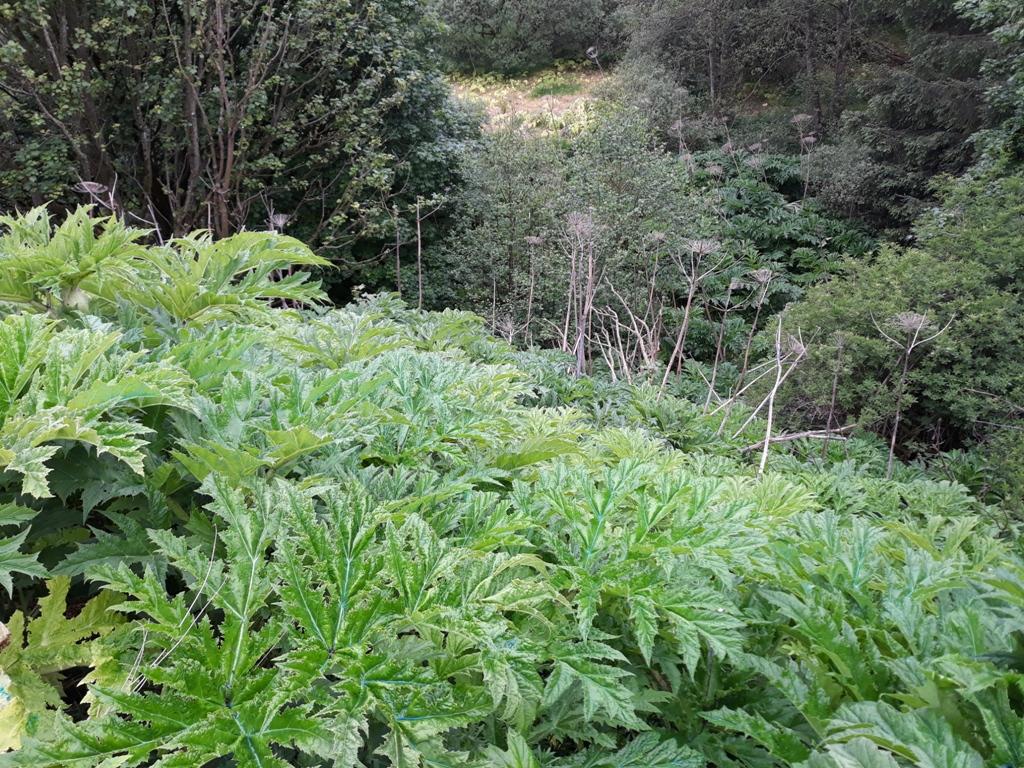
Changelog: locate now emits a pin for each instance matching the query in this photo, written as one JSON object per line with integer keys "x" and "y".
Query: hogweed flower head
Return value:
{"x": 704, "y": 247}
{"x": 910, "y": 322}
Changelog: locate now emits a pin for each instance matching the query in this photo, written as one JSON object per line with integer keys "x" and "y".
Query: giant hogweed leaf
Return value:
{"x": 796, "y": 681}
{"x": 13, "y": 560}
{"x": 647, "y": 750}
{"x": 702, "y": 615}
{"x": 533, "y": 450}
{"x": 577, "y": 667}
{"x": 512, "y": 680}
{"x": 261, "y": 426}
{"x": 860, "y": 753}
{"x": 129, "y": 546}
{"x": 518, "y": 754}
{"x": 78, "y": 390}
{"x": 923, "y": 737}
{"x": 341, "y": 337}
{"x": 68, "y": 264}
{"x": 53, "y": 644}
{"x": 418, "y": 559}
{"x": 781, "y": 742}
{"x": 856, "y": 753}
{"x": 326, "y": 563}
{"x": 214, "y": 696}
{"x": 198, "y": 278}
{"x": 11, "y": 514}
{"x": 1005, "y": 727}
{"x": 24, "y": 340}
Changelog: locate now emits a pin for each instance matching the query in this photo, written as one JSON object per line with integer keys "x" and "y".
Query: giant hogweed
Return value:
{"x": 91, "y": 265}
{"x": 296, "y": 637}
{"x": 42, "y": 650}
{"x": 882, "y": 643}
{"x": 314, "y": 617}
{"x": 65, "y": 386}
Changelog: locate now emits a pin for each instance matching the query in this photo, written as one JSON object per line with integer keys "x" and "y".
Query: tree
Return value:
{"x": 222, "y": 114}
{"x": 1005, "y": 20}
{"x": 513, "y": 35}
{"x": 960, "y": 389}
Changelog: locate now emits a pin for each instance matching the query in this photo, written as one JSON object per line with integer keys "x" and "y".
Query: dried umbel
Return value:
{"x": 714, "y": 170}
{"x": 762, "y": 276}
{"x": 910, "y": 322}
{"x": 658, "y": 237}
{"x": 278, "y": 220}
{"x": 534, "y": 241}
{"x": 808, "y": 140}
{"x": 581, "y": 224}
{"x": 90, "y": 188}
{"x": 704, "y": 247}
{"x": 794, "y": 346}
{"x": 800, "y": 119}
{"x": 754, "y": 162}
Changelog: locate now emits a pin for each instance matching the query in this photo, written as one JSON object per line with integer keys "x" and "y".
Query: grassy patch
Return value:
{"x": 555, "y": 89}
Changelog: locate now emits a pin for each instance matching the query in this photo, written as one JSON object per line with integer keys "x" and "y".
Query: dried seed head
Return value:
{"x": 793, "y": 346}
{"x": 278, "y": 220}
{"x": 728, "y": 148}
{"x": 762, "y": 276}
{"x": 704, "y": 247}
{"x": 658, "y": 236}
{"x": 910, "y": 322}
{"x": 715, "y": 170}
{"x": 808, "y": 140}
{"x": 531, "y": 240}
{"x": 800, "y": 119}
{"x": 90, "y": 188}
{"x": 754, "y": 162}
{"x": 581, "y": 224}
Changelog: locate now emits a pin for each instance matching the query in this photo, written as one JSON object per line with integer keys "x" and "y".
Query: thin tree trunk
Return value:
{"x": 832, "y": 402}
{"x": 419, "y": 255}
{"x": 899, "y": 406}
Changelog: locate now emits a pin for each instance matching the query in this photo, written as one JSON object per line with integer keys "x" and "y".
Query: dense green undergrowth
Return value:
{"x": 241, "y": 533}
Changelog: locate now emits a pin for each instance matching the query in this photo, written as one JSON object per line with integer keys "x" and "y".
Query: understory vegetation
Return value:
{"x": 378, "y": 536}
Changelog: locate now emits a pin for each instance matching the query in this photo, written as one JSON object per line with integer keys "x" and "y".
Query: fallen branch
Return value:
{"x": 817, "y": 434}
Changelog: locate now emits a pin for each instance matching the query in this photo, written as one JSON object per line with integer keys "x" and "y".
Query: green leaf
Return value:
{"x": 13, "y": 560}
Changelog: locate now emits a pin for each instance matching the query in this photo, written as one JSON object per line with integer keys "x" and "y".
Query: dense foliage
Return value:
{"x": 586, "y": 245}
{"x": 701, "y": 472}
{"x": 224, "y": 115}
{"x": 381, "y": 537}
{"x": 965, "y": 271}
{"x": 891, "y": 92}
{"x": 514, "y": 35}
